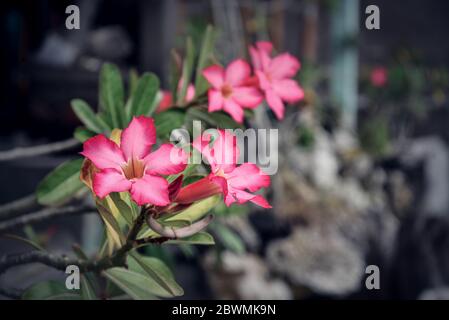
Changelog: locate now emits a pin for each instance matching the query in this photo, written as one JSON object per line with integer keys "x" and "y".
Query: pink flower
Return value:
{"x": 274, "y": 75}
{"x": 229, "y": 90}
{"x": 379, "y": 77}
{"x": 167, "y": 99}
{"x": 226, "y": 177}
{"x": 132, "y": 166}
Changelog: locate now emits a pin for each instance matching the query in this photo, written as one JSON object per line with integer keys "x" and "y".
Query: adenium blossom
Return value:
{"x": 167, "y": 98}
{"x": 132, "y": 166}
{"x": 274, "y": 75}
{"x": 234, "y": 182}
{"x": 230, "y": 91}
{"x": 379, "y": 77}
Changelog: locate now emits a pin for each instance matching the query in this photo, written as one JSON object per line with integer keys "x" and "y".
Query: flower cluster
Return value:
{"x": 235, "y": 88}
{"x": 132, "y": 166}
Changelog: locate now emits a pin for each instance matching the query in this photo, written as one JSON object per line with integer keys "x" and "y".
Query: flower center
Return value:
{"x": 134, "y": 169}
{"x": 226, "y": 90}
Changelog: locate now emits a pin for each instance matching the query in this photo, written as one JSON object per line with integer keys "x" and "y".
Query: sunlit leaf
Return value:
{"x": 196, "y": 211}
{"x": 60, "y": 184}
{"x": 229, "y": 238}
{"x": 113, "y": 231}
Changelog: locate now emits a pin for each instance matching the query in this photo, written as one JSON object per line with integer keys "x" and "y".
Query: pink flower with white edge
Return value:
{"x": 229, "y": 90}
{"x": 379, "y": 77}
{"x": 132, "y": 166}
{"x": 234, "y": 182}
{"x": 274, "y": 75}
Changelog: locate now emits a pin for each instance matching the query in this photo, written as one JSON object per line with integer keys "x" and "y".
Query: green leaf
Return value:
{"x": 175, "y": 73}
{"x": 212, "y": 119}
{"x": 113, "y": 231}
{"x": 187, "y": 69}
{"x": 112, "y": 94}
{"x": 49, "y": 290}
{"x": 144, "y": 96}
{"x": 60, "y": 184}
{"x": 87, "y": 116}
{"x": 82, "y": 134}
{"x": 124, "y": 209}
{"x": 196, "y": 211}
{"x": 229, "y": 238}
{"x": 29, "y": 242}
{"x": 167, "y": 121}
{"x": 207, "y": 47}
{"x": 200, "y": 238}
{"x": 135, "y": 284}
{"x": 133, "y": 80}
{"x": 87, "y": 291}
{"x": 157, "y": 270}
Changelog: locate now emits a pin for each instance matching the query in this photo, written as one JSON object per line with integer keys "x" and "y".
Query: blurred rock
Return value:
{"x": 243, "y": 277}
{"x": 319, "y": 259}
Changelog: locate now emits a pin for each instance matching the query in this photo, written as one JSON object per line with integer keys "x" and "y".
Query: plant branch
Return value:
{"x": 26, "y": 152}
{"x": 16, "y": 207}
{"x": 42, "y": 215}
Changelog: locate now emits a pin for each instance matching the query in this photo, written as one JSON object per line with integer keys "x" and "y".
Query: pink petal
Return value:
{"x": 225, "y": 151}
{"x": 166, "y": 160}
{"x": 275, "y": 103}
{"x": 215, "y": 75}
{"x": 215, "y": 100}
{"x": 284, "y": 66}
{"x": 190, "y": 93}
{"x": 265, "y": 46}
{"x": 243, "y": 196}
{"x": 288, "y": 90}
{"x": 138, "y": 138}
{"x": 166, "y": 101}
{"x": 255, "y": 58}
{"x": 237, "y": 72}
{"x": 201, "y": 143}
{"x": 247, "y": 96}
{"x": 248, "y": 176}
{"x": 220, "y": 181}
{"x": 234, "y": 110}
{"x": 110, "y": 180}
{"x": 103, "y": 152}
{"x": 264, "y": 83}
{"x": 150, "y": 190}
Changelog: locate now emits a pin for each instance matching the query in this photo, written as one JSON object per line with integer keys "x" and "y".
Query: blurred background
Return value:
{"x": 363, "y": 173}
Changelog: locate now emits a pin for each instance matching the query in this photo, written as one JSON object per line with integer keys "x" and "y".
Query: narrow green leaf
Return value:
{"x": 175, "y": 73}
{"x": 29, "y": 242}
{"x": 82, "y": 134}
{"x": 167, "y": 121}
{"x": 123, "y": 208}
{"x": 204, "y": 60}
{"x": 229, "y": 238}
{"x": 144, "y": 95}
{"x": 49, "y": 290}
{"x": 157, "y": 270}
{"x": 112, "y": 94}
{"x": 60, "y": 184}
{"x": 87, "y": 116}
{"x": 196, "y": 211}
{"x": 200, "y": 238}
{"x": 187, "y": 69}
{"x": 87, "y": 291}
{"x": 135, "y": 284}
{"x": 113, "y": 231}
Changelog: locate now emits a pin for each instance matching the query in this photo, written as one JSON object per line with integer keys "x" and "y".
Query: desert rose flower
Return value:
{"x": 132, "y": 166}
{"x": 274, "y": 75}
{"x": 229, "y": 90}
{"x": 167, "y": 98}
{"x": 379, "y": 77}
{"x": 234, "y": 182}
